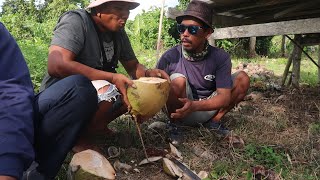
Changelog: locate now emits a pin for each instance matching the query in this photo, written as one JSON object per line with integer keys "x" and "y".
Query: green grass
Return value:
{"x": 308, "y": 71}
{"x": 36, "y": 54}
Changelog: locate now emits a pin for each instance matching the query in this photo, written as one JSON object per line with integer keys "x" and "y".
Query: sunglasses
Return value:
{"x": 191, "y": 29}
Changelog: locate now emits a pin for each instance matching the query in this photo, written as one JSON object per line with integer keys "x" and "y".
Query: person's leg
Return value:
{"x": 241, "y": 84}
{"x": 180, "y": 88}
{"x": 177, "y": 90}
{"x": 109, "y": 108}
{"x": 63, "y": 110}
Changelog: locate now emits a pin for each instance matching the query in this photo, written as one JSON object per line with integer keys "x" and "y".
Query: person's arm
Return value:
{"x": 16, "y": 109}
{"x": 137, "y": 70}
{"x": 134, "y": 68}
{"x": 221, "y": 100}
{"x": 7, "y": 178}
{"x": 62, "y": 63}
{"x": 132, "y": 65}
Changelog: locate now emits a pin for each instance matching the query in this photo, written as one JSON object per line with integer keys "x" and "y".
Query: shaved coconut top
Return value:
{"x": 152, "y": 80}
{"x": 94, "y": 163}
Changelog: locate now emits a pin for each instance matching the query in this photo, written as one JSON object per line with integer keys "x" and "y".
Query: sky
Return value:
{"x": 144, "y": 4}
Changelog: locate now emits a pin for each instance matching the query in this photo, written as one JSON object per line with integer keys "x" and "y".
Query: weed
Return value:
{"x": 267, "y": 156}
{"x": 314, "y": 128}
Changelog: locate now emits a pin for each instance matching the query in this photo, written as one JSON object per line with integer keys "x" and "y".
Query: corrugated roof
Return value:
{"x": 244, "y": 12}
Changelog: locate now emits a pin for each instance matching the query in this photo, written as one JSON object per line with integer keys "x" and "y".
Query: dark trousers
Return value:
{"x": 62, "y": 111}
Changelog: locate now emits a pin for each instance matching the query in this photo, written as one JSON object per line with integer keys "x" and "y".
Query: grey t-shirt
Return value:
{"x": 76, "y": 32}
{"x": 205, "y": 76}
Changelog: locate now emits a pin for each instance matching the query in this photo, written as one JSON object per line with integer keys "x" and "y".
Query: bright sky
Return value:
{"x": 1, "y": 2}
{"x": 144, "y": 4}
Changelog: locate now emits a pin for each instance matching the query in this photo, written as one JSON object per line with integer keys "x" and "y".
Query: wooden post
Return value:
{"x": 286, "y": 71}
{"x": 296, "y": 61}
{"x": 283, "y": 46}
{"x": 160, "y": 28}
{"x": 252, "y": 47}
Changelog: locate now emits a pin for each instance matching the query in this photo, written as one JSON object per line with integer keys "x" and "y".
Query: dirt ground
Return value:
{"x": 286, "y": 121}
{"x": 280, "y": 128}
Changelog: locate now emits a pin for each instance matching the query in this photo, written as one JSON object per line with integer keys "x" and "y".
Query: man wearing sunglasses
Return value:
{"x": 202, "y": 87}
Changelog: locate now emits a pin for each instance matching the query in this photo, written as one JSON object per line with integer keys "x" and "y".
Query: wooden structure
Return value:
{"x": 248, "y": 18}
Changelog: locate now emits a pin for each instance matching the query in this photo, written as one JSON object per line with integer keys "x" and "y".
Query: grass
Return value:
{"x": 36, "y": 55}
{"x": 308, "y": 71}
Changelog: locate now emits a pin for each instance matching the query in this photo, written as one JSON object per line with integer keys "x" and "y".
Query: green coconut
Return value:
{"x": 149, "y": 96}
{"x": 91, "y": 165}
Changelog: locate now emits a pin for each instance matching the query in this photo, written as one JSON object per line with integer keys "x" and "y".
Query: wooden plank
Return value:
{"x": 295, "y": 8}
{"x": 304, "y": 26}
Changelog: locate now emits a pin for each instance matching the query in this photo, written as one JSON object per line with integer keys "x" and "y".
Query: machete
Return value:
{"x": 185, "y": 170}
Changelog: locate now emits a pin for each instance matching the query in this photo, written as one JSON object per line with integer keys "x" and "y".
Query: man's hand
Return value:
{"x": 157, "y": 73}
{"x": 187, "y": 108}
{"x": 122, "y": 82}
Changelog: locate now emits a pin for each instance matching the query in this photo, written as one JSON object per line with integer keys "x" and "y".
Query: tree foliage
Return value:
{"x": 183, "y": 4}
{"x": 143, "y": 30}
{"x": 28, "y": 20}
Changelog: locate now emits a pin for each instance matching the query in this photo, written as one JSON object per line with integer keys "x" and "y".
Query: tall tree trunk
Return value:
{"x": 296, "y": 60}
{"x": 252, "y": 47}
{"x": 283, "y": 46}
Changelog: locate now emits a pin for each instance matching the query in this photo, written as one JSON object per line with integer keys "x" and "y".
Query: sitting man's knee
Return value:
{"x": 177, "y": 85}
{"x": 80, "y": 80}
{"x": 84, "y": 89}
{"x": 244, "y": 80}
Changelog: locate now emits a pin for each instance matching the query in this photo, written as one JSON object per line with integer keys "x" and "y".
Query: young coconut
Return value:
{"x": 91, "y": 165}
{"x": 149, "y": 96}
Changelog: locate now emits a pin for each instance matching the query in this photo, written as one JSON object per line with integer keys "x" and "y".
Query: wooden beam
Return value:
{"x": 217, "y": 19}
{"x": 294, "y": 9}
{"x": 304, "y": 26}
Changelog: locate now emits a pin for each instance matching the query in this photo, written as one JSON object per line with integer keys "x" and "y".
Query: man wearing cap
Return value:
{"x": 202, "y": 87}
{"x": 91, "y": 44}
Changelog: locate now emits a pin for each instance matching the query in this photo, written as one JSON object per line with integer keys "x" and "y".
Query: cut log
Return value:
{"x": 90, "y": 165}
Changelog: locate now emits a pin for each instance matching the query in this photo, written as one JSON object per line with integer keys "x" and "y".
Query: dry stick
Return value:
{"x": 139, "y": 132}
